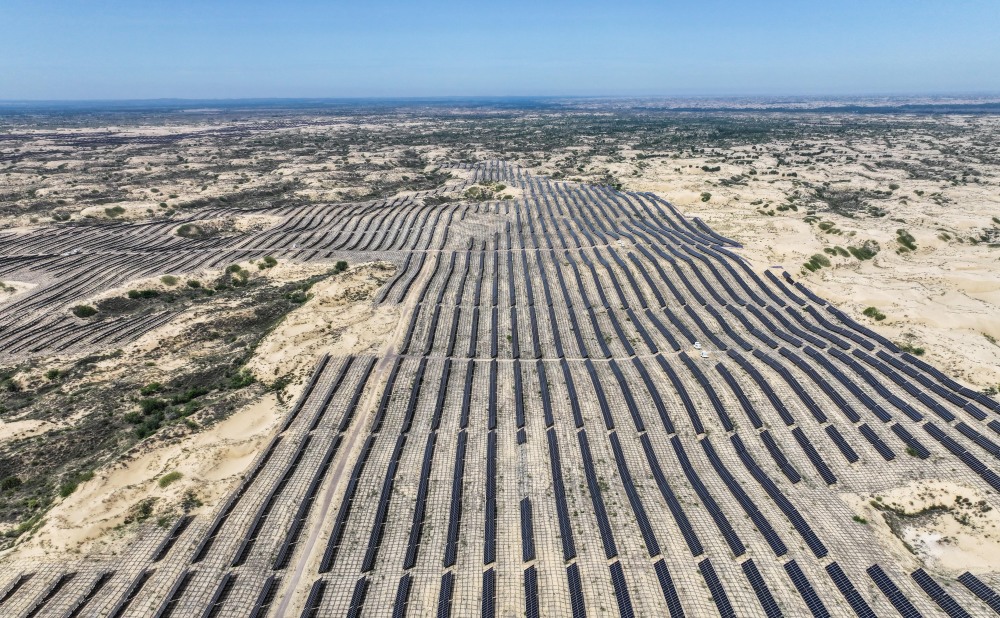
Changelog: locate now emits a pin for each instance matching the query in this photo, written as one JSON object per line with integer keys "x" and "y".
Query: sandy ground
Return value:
{"x": 23, "y": 429}
{"x": 12, "y": 288}
{"x": 339, "y": 319}
{"x": 943, "y": 297}
{"x": 233, "y": 225}
{"x": 963, "y": 536}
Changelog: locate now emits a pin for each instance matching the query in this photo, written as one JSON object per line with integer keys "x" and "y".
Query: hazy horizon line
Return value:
{"x": 797, "y": 96}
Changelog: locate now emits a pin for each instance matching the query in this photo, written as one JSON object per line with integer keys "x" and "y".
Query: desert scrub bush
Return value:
{"x": 114, "y": 211}
{"x": 912, "y": 349}
{"x": 143, "y": 293}
{"x": 169, "y": 478}
{"x": 242, "y": 379}
{"x": 151, "y": 405}
{"x": 340, "y": 266}
{"x": 866, "y": 251}
{"x": 150, "y": 389}
{"x": 194, "y": 283}
{"x": 874, "y": 313}
{"x": 860, "y": 519}
{"x": 168, "y": 280}
{"x": 190, "y": 230}
{"x": 906, "y": 240}
{"x": 140, "y": 511}
{"x": 267, "y": 262}
{"x": 69, "y": 485}
{"x": 53, "y": 375}
{"x": 705, "y": 196}
{"x": 84, "y": 311}
{"x": 816, "y": 262}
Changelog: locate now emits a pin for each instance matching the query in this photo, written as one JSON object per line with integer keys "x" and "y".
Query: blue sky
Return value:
{"x": 109, "y": 49}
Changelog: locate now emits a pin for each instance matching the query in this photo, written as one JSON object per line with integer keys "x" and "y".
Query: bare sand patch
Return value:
{"x": 230, "y": 225}
{"x": 935, "y": 524}
{"x": 339, "y": 319}
{"x": 9, "y": 289}
{"x": 15, "y": 430}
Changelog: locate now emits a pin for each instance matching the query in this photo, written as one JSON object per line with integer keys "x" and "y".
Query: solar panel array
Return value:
{"x": 544, "y": 437}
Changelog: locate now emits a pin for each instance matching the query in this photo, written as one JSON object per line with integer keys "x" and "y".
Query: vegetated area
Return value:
{"x": 91, "y": 409}
{"x": 632, "y": 355}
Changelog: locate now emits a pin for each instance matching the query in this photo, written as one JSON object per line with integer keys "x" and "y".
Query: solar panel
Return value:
{"x": 892, "y": 592}
{"x": 444, "y": 597}
{"x": 805, "y": 589}
{"x": 937, "y": 593}
{"x": 771, "y": 609}
{"x": 719, "y": 596}
{"x": 621, "y": 590}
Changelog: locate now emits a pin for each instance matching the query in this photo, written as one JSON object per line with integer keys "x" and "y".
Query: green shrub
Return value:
{"x": 114, "y": 211}
{"x": 9, "y": 483}
{"x": 705, "y": 196}
{"x": 143, "y": 293}
{"x": 861, "y": 253}
{"x": 268, "y": 262}
{"x": 816, "y": 262}
{"x": 70, "y": 485}
{"x": 84, "y": 311}
{"x": 874, "y": 313}
{"x": 190, "y": 230}
{"x": 906, "y": 240}
{"x": 860, "y": 519}
{"x": 194, "y": 283}
{"x": 151, "y": 405}
{"x": 188, "y": 395}
{"x": 151, "y": 388}
{"x": 168, "y": 280}
{"x": 912, "y": 349}
{"x": 169, "y": 478}
{"x": 340, "y": 266}
{"x": 52, "y": 374}
{"x": 242, "y": 379}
